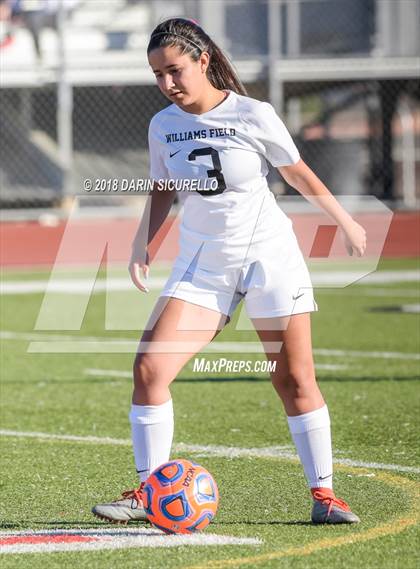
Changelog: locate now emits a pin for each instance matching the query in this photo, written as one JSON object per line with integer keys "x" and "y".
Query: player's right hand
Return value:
{"x": 139, "y": 269}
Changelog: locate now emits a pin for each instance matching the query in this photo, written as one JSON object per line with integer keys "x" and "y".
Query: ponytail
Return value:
{"x": 191, "y": 39}
{"x": 221, "y": 74}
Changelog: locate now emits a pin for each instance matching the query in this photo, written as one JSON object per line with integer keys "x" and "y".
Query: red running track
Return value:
{"x": 30, "y": 244}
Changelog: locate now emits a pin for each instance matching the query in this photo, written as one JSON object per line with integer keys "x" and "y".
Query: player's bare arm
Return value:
{"x": 156, "y": 211}
{"x": 307, "y": 183}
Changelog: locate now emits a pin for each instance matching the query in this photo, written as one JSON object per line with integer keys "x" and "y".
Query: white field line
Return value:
{"x": 41, "y": 336}
{"x": 71, "y": 438}
{"x": 121, "y": 347}
{"x": 324, "y": 278}
{"x": 113, "y": 539}
{"x": 131, "y": 343}
{"x": 116, "y": 373}
{"x": 59, "y": 344}
{"x": 88, "y": 286}
{"x": 211, "y": 450}
{"x": 100, "y": 344}
{"x": 384, "y": 292}
{"x": 363, "y": 354}
{"x": 76, "y": 286}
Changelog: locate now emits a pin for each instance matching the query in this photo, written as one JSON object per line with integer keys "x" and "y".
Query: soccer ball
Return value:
{"x": 180, "y": 497}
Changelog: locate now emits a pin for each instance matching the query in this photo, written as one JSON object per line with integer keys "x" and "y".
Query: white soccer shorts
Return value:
{"x": 277, "y": 284}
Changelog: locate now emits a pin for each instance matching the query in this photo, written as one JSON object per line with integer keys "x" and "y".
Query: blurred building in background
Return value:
{"x": 77, "y": 94}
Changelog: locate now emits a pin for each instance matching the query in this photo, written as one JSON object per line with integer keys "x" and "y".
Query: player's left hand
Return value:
{"x": 354, "y": 238}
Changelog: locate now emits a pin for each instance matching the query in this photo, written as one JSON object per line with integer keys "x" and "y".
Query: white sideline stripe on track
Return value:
{"x": 117, "y": 539}
{"x": 87, "y": 286}
{"x": 213, "y": 347}
{"x": 211, "y": 450}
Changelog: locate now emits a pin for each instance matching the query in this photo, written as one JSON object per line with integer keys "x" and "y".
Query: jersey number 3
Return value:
{"x": 215, "y": 173}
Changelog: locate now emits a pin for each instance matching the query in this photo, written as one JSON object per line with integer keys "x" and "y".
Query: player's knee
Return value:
{"x": 297, "y": 381}
{"x": 146, "y": 371}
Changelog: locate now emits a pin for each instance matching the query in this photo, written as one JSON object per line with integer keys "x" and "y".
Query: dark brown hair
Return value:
{"x": 192, "y": 40}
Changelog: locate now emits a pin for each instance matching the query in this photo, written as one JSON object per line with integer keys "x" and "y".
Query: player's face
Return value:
{"x": 179, "y": 78}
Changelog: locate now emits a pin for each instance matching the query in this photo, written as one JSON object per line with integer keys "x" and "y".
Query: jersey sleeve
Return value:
{"x": 157, "y": 167}
{"x": 272, "y": 137}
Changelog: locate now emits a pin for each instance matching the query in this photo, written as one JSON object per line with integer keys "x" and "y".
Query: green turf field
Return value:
{"x": 223, "y": 421}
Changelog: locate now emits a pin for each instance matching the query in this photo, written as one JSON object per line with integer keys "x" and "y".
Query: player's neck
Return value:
{"x": 206, "y": 103}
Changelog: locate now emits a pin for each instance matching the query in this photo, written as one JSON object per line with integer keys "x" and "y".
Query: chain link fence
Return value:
{"x": 76, "y": 103}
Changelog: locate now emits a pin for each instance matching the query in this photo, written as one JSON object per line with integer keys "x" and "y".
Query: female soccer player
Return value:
{"x": 235, "y": 243}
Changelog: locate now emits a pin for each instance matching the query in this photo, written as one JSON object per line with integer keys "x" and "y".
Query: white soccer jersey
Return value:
{"x": 230, "y": 145}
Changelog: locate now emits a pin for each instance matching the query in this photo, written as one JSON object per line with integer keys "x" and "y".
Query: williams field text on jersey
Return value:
{"x": 199, "y": 134}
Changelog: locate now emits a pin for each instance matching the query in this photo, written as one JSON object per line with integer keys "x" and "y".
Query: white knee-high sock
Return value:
{"x": 152, "y": 430}
{"x": 311, "y": 434}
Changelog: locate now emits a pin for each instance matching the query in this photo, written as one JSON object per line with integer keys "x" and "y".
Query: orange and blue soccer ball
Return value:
{"x": 180, "y": 497}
